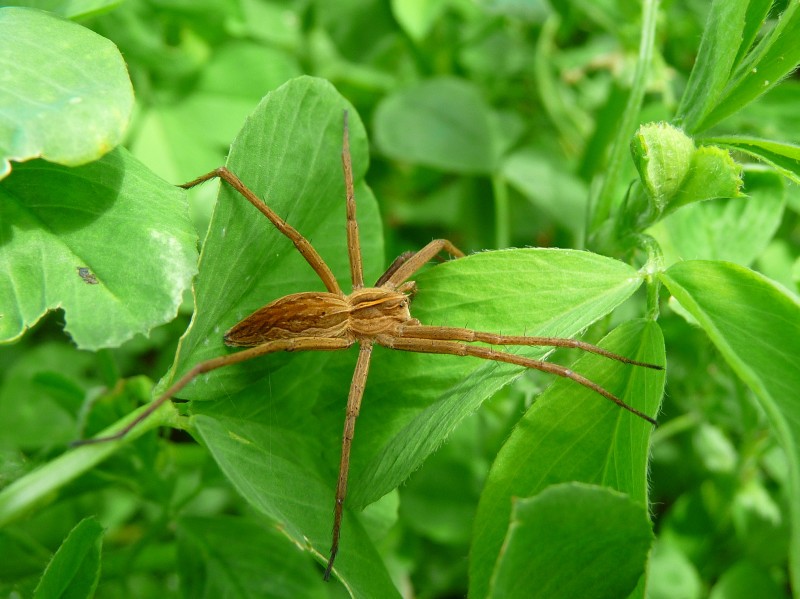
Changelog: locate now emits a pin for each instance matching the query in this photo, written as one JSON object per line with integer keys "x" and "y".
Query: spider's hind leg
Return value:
{"x": 430, "y": 345}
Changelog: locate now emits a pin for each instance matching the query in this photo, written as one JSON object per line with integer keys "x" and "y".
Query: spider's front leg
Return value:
{"x": 301, "y": 243}
{"x": 407, "y": 263}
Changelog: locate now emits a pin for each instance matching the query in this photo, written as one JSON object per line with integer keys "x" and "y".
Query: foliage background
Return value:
{"x": 490, "y": 124}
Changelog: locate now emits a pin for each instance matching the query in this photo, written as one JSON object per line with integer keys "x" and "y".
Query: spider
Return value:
{"x": 369, "y": 315}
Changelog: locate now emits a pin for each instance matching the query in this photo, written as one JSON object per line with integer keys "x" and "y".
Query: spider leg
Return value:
{"x": 398, "y": 262}
{"x": 398, "y": 273}
{"x": 301, "y": 243}
{"x": 353, "y": 243}
{"x": 457, "y": 348}
{"x": 296, "y": 344}
{"x": 459, "y": 334}
{"x": 353, "y": 407}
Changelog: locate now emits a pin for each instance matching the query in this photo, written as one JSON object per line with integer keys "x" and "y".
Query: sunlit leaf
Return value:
{"x": 756, "y": 327}
{"x": 65, "y": 96}
{"x": 108, "y": 242}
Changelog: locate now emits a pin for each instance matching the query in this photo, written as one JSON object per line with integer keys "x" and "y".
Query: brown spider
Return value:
{"x": 367, "y": 316}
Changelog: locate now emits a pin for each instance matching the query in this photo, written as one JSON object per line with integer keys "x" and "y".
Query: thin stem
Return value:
{"x": 654, "y": 265}
{"x": 602, "y": 201}
{"x": 502, "y": 233}
{"x": 39, "y": 486}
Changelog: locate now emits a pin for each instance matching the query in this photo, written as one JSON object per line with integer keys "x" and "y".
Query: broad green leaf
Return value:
{"x": 32, "y": 418}
{"x": 782, "y": 156}
{"x": 70, "y": 9}
{"x": 549, "y": 186}
{"x": 756, "y": 327}
{"x": 417, "y": 17}
{"x": 180, "y": 141}
{"x": 672, "y": 573}
{"x": 442, "y": 123}
{"x": 746, "y": 579}
{"x": 733, "y": 229}
{"x": 716, "y": 58}
{"x": 75, "y": 568}
{"x": 109, "y": 243}
{"x": 775, "y": 56}
{"x": 572, "y": 434}
{"x": 240, "y": 557}
{"x": 573, "y": 540}
{"x": 65, "y": 96}
{"x": 554, "y": 293}
{"x": 278, "y": 473}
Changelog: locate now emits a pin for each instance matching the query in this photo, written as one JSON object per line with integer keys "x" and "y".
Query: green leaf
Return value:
{"x": 572, "y": 434}
{"x": 66, "y": 95}
{"x": 554, "y": 293}
{"x": 782, "y": 156}
{"x": 716, "y": 58}
{"x": 32, "y": 418}
{"x": 551, "y": 187}
{"x": 746, "y": 579}
{"x": 573, "y": 540}
{"x": 260, "y": 563}
{"x": 672, "y": 573}
{"x": 40, "y": 486}
{"x": 70, "y": 9}
{"x": 168, "y": 138}
{"x": 756, "y": 327}
{"x": 278, "y": 473}
{"x": 776, "y": 55}
{"x": 109, "y": 243}
{"x": 442, "y": 123}
{"x": 417, "y": 17}
{"x": 75, "y": 568}
{"x": 734, "y": 229}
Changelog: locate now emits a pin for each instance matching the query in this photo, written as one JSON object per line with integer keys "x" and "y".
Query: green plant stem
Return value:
{"x": 502, "y": 230}
{"x": 567, "y": 119}
{"x": 654, "y": 265}
{"x": 41, "y": 485}
{"x": 674, "y": 427}
{"x": 601, "y": 203}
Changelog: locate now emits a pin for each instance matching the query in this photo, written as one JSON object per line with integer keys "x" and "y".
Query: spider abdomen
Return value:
{"x": 309, "y": 314}
{"x": 363, "y": 314}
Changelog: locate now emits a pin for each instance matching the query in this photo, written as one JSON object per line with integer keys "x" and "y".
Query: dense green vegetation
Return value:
{"x": 653, "y": 143}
